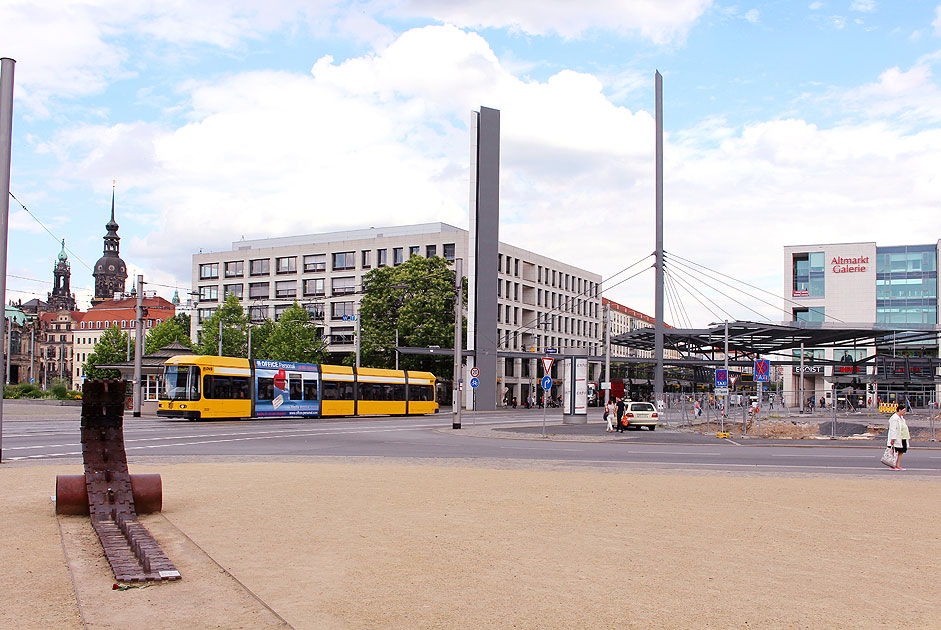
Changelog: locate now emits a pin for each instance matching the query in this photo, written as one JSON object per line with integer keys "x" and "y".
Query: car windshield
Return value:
{"x": 641, "y": 407}
{"x": 181, "y": 382}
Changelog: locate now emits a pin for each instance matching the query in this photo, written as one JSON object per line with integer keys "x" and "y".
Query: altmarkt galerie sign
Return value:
{"x": 849, "y": 265}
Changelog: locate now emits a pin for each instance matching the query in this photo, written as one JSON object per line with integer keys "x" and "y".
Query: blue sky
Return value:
{"x": 785, "y": 122}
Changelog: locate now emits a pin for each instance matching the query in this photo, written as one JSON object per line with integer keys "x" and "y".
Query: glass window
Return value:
{"x": 315, "y": 262}
{"x": 339, "y": 310}
{"x": 287, "y": 264}
{"x": 209, "y": 271}
{"x": 258, "y": 312}
{"x": 235, "y": 269}
{"x": 382, "y": 257}
{"x": 285, "y": 289}
{"x": 449, "y": 252}
{"x": 314, "y": 286}
{"x": 413, "y": 251}
{"x": 316, "y": 310}
{"x": 259, "y": 267}
{"x": 814, "y": 315}
{"x": 396, "y": 256}
{"x": 431, "y": 251}
{"x": 516, "y": 267}
{"x": 279, "y": 310}
{"x": 258, "y": 290}
{"x": 343, "y": 285}
{"x": 205, "y": 313}
{"x": 209, "y": 293}
{"x": 344, "y": 260}
{"x": 342, "y": 335}
{"x": 366, "y": 259}
{"x": 233, "y": 289}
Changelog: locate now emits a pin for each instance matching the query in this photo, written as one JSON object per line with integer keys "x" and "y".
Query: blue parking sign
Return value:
{"x": 722, "y": 378}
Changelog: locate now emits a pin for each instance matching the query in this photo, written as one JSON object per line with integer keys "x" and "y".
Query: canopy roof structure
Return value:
{"x": 763, "y": 338}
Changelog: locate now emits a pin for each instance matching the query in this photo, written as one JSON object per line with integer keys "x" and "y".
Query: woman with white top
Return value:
{"x": 898, "y": 435}
{"x": 609, "y": 416}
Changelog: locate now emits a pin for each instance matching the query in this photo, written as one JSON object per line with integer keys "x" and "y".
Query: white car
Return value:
{"x": 640, "y": 414}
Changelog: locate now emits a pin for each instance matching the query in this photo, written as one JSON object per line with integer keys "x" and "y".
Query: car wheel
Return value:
{"x": 653, "y": 427}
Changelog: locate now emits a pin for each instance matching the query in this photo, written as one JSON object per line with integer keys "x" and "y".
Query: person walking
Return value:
{"x": 619, "y": 412}
{"x": 609, "y": 416}
{"x": 898, "y": 435}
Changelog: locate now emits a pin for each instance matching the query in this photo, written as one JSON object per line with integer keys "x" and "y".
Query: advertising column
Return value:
{"x": 575, "y": 390}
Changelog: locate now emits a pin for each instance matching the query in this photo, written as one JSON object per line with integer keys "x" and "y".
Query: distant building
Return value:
{"x": 121, "y": 313}
{"x": 56, "y": 354}
{"x": 61, "y": 296}
{"x": 110, "y": 271}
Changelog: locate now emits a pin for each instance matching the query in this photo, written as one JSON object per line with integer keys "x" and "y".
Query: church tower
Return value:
{"x": 110, "y": 271}
{"x": 61, "y": 296}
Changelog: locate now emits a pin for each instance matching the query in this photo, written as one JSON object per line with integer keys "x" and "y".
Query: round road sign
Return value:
{"x": 547, "y": 383}
{"x": 475, "y": 382}
{"x": 475, "y": 372}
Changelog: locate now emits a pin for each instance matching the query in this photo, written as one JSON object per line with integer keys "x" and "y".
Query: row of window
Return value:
{"x": 124, "y": 323}
{"x": 258, "y": 313}
{"x": 310, "y": 287}
{"x": 311, "y": 263}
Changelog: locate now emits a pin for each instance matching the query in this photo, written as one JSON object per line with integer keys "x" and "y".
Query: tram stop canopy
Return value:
{"x": 757, "y": 338}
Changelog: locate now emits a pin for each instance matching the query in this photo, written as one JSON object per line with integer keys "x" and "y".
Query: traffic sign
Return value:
{"x": 721, "y": 391}
{"x": 547, "y": 363}
{"x": 762, "y": 371}
{"x": 546, "y": 383}
{"x": 475, "y": 382}
{"x": 552, "y": 351}
{"x": 722, "y": 378}
{"x": 475, "y": 372}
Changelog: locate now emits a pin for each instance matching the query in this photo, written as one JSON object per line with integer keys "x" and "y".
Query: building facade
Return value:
{"x": 623, "y": 320}
{"x": 542, "y": 303}
{"x": 864, "y": 284}
{"x": 122, "y": 312}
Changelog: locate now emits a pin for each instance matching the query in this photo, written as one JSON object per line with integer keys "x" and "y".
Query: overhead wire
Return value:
{"x": 36, "y": 219}
{"x": 681, "y": 283}
{"x": 779, "y": 297}
{"x": 727, "y": 296}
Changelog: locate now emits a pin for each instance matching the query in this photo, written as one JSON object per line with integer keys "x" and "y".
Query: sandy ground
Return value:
{"x": 373, "y": 544}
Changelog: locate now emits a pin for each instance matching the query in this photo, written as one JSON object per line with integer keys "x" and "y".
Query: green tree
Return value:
{"x": 416, "y": 297}
{"x": 234, "y": 335}
{"x": 183, "y": 321}
{"x": 110, "y": 349}
{"x": 294, "y": 337}
{"x": 165, "y": 333}
{"x": 260, "y": 333}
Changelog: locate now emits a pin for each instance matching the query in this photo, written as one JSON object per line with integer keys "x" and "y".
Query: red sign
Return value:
{"x": 849, "y": 265}
{"x": 547, "y": 363}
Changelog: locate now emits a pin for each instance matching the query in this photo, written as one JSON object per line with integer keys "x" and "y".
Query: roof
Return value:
{"x": 762, "y": 338}
{"x": 154, "y": 360}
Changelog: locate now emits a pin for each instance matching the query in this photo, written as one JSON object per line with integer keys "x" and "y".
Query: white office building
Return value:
{"x": 543, "y": 303}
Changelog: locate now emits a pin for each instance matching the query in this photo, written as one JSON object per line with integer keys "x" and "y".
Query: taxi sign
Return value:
{"x": 762, "y": 371}
{"x": 722, "y": 378}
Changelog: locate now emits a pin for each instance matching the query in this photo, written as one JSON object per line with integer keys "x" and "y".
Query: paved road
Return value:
{"x": 514, "y": 435}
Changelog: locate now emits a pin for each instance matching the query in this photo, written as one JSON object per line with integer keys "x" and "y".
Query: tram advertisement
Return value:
{"x": 286, "y": 389}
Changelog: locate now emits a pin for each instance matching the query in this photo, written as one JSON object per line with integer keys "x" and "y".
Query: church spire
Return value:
{"x": 63, "y": 257}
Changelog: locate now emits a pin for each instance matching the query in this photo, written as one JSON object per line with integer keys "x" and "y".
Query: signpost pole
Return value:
{"x": 801, "y": 376}
{"x": 725, "y": 398}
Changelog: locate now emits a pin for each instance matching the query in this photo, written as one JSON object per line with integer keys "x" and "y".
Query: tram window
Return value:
{"x": 265, "y": 388}
{"x": 367, "y": 391}
{"x": 421, "y": 393}
{"x": 225, "y": 387}
{"x": 310, "y": 390}
{"x": 296, "y": 387}
{"x": 398, "y": 392}
{"x": 337, "y": 390}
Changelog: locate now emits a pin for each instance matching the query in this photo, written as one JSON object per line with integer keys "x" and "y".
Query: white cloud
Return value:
{"x": 76, "y": 48}
{"x": 815, "y": 6}
{"x": 381, "y": 139}
{"x": 863, "y": 6}
{"x": 660, "y": 21}
{"x": 753, "y": 16}
{"x": 911, "y": 95}
{"x": 937, "y": 20}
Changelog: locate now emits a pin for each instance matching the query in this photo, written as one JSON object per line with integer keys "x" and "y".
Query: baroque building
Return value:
{"x": 110, "y": 271}
{"x": 61, "y": 296}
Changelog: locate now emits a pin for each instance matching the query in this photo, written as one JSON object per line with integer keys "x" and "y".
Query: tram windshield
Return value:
{"x": 181, "y": 382}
